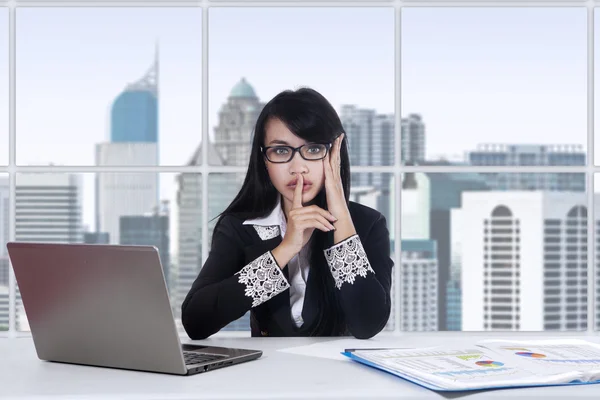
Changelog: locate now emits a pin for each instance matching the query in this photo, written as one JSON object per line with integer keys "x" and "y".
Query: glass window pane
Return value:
{"x": 113, "y": 208}
{"x": 97, "y": 77}
{"x": 493, "y": 270}
{"x": 255, "y": 53}
{"x": 482, "y": 79}
{"x": 4, "y": 86}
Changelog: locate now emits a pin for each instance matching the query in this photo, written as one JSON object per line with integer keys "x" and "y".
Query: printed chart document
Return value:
{"x": 490, "y": 364}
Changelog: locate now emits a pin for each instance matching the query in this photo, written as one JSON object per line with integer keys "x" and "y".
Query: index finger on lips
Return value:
{"x": 297, "y": 200}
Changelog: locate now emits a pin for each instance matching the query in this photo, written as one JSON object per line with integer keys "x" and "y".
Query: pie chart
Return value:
{"x": 529, "y": 354}
{"x": 491, "y": 364}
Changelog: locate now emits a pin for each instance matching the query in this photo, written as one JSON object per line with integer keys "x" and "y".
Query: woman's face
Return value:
{"x": 284, "y": 175}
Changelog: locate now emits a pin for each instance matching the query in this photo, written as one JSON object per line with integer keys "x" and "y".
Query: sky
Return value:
{"x": 495, "y": 75}
{"x": 475, "y": 75}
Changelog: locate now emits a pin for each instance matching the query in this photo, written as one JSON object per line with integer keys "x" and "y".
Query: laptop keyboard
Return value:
{"x": 192, "y": 357}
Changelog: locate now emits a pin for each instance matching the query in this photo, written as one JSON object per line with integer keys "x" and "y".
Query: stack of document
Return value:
{"x": 490, "y": 364}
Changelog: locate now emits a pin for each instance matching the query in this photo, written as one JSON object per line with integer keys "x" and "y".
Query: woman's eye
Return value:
{"x": 281, "y": 150}
{"x": 314, "y": 149}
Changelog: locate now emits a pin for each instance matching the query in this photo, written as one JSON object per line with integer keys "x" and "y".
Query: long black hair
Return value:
{"x": 308, "y": 115}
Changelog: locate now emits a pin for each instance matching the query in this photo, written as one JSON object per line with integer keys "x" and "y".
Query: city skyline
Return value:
{"x": 468, "y": 89}
{"x": 424, "y": 243}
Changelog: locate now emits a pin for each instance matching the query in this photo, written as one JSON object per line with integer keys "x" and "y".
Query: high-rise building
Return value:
{"x": 416, "y": 206}
{"x": 412, "y": 140}
{"x": 134, "y": 112}
{"x": 151, "y": 229}
{"x": 453, "y": 305}
{"x": 48, "y": 209}
{"x": 133, "y": 142}
{"x": 523, "y": 260}
{"x": 597, "y": 260}
{"x": 189, "y": 243}
{"x": 4, "y": 220}
{"x": 189, "y": 220}
{"x": 427, "y": 201}
{"x": 419, "y": 285}
{"x": 453, "y": 286}
{"x": 237, "y": 118}
{"x": 4, "y": 308}
{"x": 124, "y": 193}
{"x": 4, "y": 264}
{"x": 370, "y": 142}
{"x": 231, "y": 146}
{"x": 96, "y": 238}
{"x": 490, "y": 154}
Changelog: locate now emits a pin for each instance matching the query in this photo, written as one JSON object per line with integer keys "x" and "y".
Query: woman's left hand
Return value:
{"x": 336, "y": 201}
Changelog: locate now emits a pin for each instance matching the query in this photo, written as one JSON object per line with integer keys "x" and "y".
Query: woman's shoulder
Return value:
{"x": 364, "y": 217}
{"x": 230, "y": 221}
{"x": 234, "y": 225}
{"x": 364, "y": 212}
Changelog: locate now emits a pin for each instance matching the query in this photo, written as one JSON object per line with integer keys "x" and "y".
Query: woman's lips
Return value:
{"x": 304, "y": 187}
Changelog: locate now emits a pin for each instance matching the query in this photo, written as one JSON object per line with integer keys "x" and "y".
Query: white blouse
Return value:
{"x": 298, "y": 267}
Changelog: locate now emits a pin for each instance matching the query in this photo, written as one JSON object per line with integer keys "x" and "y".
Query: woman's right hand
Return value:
{"x": 302, "y": 221}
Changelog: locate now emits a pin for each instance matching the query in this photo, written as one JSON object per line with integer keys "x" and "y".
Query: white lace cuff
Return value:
{"x": 263, "y": 279}
{"x": 347, "y": 259}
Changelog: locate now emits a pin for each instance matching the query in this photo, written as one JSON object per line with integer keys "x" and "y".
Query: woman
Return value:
{"x": 291, "y": 247}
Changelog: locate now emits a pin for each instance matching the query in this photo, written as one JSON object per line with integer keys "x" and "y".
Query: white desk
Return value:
{"x": 277, "y": 375}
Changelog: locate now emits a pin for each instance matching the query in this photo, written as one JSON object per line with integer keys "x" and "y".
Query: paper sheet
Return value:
{"x": 550, "y": 356}
{"x": 452, "y": 368}
{"x": 332, "y": 349}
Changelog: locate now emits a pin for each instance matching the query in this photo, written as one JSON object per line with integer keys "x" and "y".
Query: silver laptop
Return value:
{"x": 107, "y": 306}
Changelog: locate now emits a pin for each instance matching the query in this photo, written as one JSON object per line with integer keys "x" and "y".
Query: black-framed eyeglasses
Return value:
{"x": 284, "y": 154}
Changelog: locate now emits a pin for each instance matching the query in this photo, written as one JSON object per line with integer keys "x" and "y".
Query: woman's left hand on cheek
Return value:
{"x": 336, "y": 201}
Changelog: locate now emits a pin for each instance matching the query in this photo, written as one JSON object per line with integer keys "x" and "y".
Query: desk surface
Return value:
{"x": 276, "y": 375}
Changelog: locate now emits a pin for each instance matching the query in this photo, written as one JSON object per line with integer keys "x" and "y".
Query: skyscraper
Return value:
{"x": 427, "y": 202}
{"x": 189, "y": 221}
{"x": 237, "y": 118}
{"x": 134, "y": 112}
{"x": 48, "y": 209}
{"x": 4, "y": 215}
{"x": 412, "y": 140}
{"x": 596, "y": 223}
{"x": 419, "y": 272}
{"x": 134, "y": 142}
{"x": 150, "y": 229}
{"x": 523, "y": 260}
{"x": 370, "y": 142}
{"x": 531, "y": 155}
{"x": 232, "y": 144}
{"x": 124, "y": 193}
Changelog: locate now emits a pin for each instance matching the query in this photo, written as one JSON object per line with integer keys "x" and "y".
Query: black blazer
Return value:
{"x": 225, "y": 288}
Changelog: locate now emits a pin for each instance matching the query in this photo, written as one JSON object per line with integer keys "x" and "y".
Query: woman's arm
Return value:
{"x": 362, "y": 271}
{"x": 225, "y": 288}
